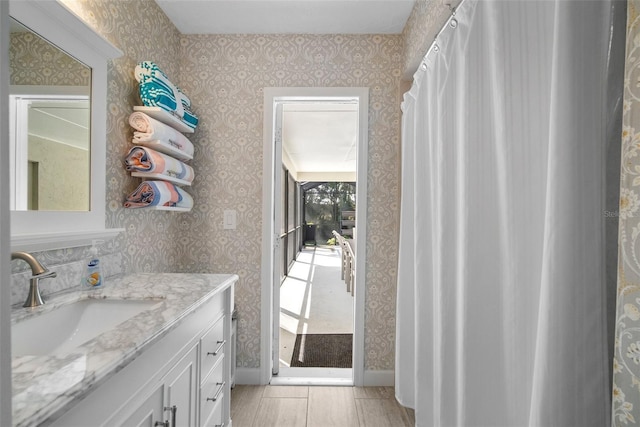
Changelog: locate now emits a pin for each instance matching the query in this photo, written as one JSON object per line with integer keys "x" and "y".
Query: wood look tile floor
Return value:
{"x": 317, "y": 406}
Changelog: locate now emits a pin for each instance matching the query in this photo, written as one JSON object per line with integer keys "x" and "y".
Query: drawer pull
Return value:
{"x": 220, "y": 425}
{"x": 217, "y": 396}
{"x": 162, "y": 424}
{"x": 217, "y": 350}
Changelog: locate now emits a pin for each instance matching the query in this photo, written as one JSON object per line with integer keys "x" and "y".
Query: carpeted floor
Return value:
{"x": 322, "y": 351}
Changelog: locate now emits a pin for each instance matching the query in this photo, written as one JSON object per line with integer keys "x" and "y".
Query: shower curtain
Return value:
{"x": 501, "y": 308}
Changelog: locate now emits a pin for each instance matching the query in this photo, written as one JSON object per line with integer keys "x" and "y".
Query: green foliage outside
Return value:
{"x": 324, "y": 204}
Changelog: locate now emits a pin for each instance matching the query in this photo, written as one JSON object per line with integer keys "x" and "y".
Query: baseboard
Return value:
{"x": 251, "y": 376}
{"x": 248, "y": 376}
{"x": 379, "y": 378}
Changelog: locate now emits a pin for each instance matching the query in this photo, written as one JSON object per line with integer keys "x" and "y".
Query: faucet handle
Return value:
{"x": 46, "y": 275}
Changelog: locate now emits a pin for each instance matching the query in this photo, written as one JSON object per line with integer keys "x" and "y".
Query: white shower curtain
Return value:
{"x": 501, "y": 311}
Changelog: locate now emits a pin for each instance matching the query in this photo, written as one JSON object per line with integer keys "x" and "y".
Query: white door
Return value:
{"x": 277, "y": 238}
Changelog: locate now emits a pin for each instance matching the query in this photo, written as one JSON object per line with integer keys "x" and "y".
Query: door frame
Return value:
{"x": 270, "y": 229}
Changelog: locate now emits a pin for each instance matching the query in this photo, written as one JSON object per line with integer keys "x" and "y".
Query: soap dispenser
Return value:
{"x": 93, "y": 273}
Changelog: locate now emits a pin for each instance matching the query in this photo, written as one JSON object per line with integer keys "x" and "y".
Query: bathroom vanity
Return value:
{"x": 166, "y": 364}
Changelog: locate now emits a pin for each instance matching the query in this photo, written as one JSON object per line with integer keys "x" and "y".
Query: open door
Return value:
{"x": 277, "y": 237}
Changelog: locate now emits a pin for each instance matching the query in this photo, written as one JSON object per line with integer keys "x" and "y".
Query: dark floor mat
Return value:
{"x": 322, "y": 351}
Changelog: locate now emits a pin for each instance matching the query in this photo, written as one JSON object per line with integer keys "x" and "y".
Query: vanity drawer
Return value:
{"x": 212, "y": 347}
{"x": 213, "y": 388}
{"x": 215, "y": 417}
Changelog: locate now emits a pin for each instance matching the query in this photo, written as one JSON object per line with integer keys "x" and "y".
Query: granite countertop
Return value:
{"x": 44, "y": 386}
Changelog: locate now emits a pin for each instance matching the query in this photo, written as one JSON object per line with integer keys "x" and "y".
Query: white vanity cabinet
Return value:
{"x": 181, "y": 380}
{"x": 173, "y": 399}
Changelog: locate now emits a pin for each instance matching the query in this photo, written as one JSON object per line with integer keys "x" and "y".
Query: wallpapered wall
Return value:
{"x": 225, "y": 76}
{"x": 33, "y": 61}
{"x": 142, "y": 31}
{"x": 626, "y": 364}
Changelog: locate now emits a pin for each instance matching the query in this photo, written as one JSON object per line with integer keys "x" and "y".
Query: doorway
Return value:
{"x": 278, "y": 176}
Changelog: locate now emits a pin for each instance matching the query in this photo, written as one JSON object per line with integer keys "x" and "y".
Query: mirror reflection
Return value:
{"x": 49, "y": 125}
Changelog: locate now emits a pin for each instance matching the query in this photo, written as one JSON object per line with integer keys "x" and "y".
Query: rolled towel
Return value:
{"x": 143, "y": 159}
{"x": 149, "y": 70}
{"x": 152, "y": 133}
{"x": 158, "y": 193}
{"x": 153, "y": 94}
{"x": 156, "y": 90}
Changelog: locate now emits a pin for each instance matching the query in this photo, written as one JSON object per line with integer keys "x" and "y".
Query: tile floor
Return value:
{"x": 317, "y": 406}
{"x": 314, "y": 300}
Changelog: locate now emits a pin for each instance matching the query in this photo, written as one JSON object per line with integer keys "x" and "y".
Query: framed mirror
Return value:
{"x": 50, "y": 122}
{"x": 58, "y": 97}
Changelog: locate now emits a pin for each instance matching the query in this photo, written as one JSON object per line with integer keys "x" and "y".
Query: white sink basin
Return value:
{"x": 71, "y": 325}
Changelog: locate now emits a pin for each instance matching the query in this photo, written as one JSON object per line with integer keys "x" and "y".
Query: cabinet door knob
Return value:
{"x": 217, "y": 350}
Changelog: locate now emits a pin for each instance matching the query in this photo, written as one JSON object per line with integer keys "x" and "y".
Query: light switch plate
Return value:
{"x": 229, "y": 221}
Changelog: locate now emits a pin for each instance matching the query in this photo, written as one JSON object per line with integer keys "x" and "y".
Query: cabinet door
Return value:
{"x": 181, "y": 387}
{"x": 149, "y": 412}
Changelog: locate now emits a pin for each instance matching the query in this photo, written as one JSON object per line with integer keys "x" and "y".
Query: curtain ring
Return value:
{"x": 436, "y": 48}
{"x": 423, "y": 66}
{"x": 453, "y": 23}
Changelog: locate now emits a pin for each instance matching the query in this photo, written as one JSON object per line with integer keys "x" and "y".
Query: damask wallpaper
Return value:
{"x": 626, "y": 364}
{"x": 225, "y": 76}
{"x": 33, "y": 61}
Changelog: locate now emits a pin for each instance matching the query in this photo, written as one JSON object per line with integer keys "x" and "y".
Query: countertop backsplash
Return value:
{"x": 69, "y": 270}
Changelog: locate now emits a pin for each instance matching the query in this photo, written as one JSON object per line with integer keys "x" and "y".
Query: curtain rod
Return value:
{"x": 450, "y": 22}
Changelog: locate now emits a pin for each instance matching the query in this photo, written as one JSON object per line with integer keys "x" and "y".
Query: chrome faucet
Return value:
{"x": 39, "y": 272}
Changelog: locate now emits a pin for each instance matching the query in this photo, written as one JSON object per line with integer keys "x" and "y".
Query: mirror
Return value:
{"x": 49, "y": 108}
{"x": 58, "y": 100}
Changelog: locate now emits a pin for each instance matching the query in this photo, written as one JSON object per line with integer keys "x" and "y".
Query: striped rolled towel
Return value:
{"x": 156, "y": 90}
{"x": 158, "y": 193}
{"x": 143, "y": 159}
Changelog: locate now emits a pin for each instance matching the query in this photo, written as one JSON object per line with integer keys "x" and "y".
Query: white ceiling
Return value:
{"x": 62, "y": 121}
{"x": 319, "y": 140}
{"x": 288, "y": 16}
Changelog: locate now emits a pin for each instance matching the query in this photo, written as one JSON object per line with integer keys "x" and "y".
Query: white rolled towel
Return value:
{"x": 152, "y": 133}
